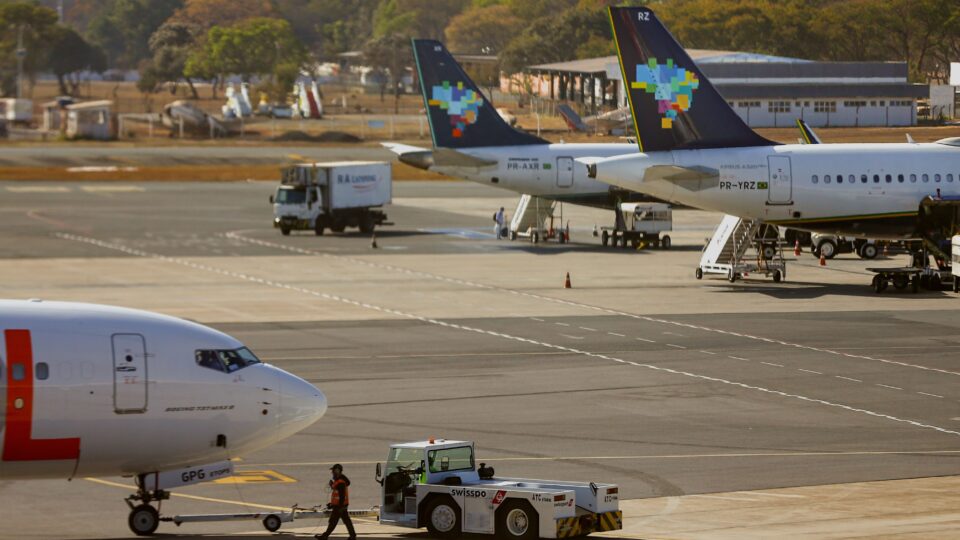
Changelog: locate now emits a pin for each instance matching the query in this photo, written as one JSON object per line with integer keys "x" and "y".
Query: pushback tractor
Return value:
{"x": 436, "y": 484}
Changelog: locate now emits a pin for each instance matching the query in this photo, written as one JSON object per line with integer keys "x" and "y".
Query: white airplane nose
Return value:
{"x": 301, "y": 404}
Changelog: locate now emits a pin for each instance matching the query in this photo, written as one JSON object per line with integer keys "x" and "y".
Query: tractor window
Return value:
{"x": 403, "y": 459}
{"x": 450, "y": 459}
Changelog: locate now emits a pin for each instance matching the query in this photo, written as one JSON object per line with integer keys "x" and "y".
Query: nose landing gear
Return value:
{"x": 144, "y": 518}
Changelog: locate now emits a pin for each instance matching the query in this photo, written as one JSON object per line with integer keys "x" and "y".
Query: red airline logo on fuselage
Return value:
{"x": 19, "y": 444}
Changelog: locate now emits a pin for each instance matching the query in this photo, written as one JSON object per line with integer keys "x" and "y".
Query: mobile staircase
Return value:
{"x": 530, "y": 220}
{"x": 728, "y": 252}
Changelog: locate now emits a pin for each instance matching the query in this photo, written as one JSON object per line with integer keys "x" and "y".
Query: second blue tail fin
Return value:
{"x": 674, "y": 106}
{"x": 460, "y": 115}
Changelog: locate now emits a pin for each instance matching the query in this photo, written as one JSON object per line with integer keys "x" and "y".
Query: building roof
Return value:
{"x": 101, "y": 104}
{"x": 700, "y": 56}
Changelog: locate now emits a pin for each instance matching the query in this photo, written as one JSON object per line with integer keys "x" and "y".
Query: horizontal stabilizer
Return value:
{"x": 447, "y": 157}
{"x": 415, "y": 156}
{"x": 688, "y": 178}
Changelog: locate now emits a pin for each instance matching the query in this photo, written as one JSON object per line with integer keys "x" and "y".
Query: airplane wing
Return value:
{"x": 415, "y": 156}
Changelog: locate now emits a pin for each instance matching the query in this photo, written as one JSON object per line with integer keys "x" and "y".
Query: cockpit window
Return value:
{"x": 227, "y": 361}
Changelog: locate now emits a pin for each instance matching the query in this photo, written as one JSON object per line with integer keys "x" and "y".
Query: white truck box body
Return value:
{"x": 357, "y": 184}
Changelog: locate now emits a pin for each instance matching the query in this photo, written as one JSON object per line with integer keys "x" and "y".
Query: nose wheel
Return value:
{"x": 144, "y": 518}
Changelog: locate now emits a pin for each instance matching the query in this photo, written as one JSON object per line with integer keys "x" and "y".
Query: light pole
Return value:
{"x": 21, "y": 55}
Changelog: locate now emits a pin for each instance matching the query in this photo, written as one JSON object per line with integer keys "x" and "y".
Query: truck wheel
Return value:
{"x": 318, "y": 228}
{"x": 827, "y": 248}
{"x": 285, "y": 231}
{"x": 869, "y": 251}
{"x": 443, "y": 517}
{"x": 777, "y": 277}
{"x": 665, "y": 241}
{"x": 366, "y": 224}
{"x": 517, "y": 519}
{"x": 769, "y": 252}
{"x": 144, "y": 520}
{"x": 271, "y": 523}
{"x": 604, "y": 239}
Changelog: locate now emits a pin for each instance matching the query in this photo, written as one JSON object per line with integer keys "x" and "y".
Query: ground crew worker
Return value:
{"x": 339, "y": 503}
{"x": 498, "y": 218}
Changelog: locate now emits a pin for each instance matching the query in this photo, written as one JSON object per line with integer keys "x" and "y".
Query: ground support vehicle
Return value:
{"x": 335, "y": 195}
{"x": 830, "y": 246}
{"x": 436, "y": 484}
{"x": 639, "y": 225}
{"x": 535, "y": 219}
{"x": 726, "y": 252}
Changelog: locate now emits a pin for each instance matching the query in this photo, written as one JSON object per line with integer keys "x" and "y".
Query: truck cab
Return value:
{"x": 438, "y": 484}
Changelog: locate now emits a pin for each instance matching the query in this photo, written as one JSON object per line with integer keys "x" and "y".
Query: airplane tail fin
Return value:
{"x": 460, "y": 115}
{"x": 673, "y": 104}
{"x": 809, "y": 136}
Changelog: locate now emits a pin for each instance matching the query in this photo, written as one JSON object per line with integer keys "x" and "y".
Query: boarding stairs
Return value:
{"x": 530, "y": 218}
{"x": 728, "y": 251}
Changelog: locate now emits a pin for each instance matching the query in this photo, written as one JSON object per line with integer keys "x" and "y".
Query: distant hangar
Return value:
{"x": 766, "y": 91}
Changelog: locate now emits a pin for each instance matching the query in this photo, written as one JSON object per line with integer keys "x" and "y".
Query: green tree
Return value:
{"x": 123, "y": 29}
{"x": 36, "y": 24}
{"x": 70, "y": 54}
{"x": 482, "y": 30}
{"x": 389, "y": 55}
{"x": 171, "y": 45}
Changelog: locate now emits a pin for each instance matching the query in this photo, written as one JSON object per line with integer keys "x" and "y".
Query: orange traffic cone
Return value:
{"x": 566, "y": 283}
{"x": 796, "y": 249}
{"x": 823, "y": 260}
{"x": 886, "y": 249}
{"x": 373, "y": 241}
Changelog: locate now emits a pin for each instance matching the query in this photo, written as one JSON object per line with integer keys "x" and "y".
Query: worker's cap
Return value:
{"x": 337, "y": 467}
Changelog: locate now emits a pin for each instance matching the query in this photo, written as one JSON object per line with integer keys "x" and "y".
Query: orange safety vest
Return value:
{"x": 335, "y": 495}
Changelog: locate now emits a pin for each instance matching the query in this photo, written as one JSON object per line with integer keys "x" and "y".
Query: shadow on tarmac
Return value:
{"x": 804, "y": 290}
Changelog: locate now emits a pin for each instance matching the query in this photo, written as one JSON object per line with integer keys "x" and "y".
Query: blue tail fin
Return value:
{"x": 460, "y": 115}
{"x": 673, "y": 104}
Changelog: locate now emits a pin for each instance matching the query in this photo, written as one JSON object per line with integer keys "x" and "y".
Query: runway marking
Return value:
{"x": 38, "y": 189}
{"x": 707, "y": 352}
{"x": 192, "y": 497}
{"x": 675, "y": 346}
{"x": 588, "y": 329}
{"x": 571, "y": 337}
{"x": 336, "y": 298}
{"x": 765, "y": 494}
{"x": 931, "y": 395}
{"x": 814, "y": 372}
{"x": 236, "y": 236}
{"x": 740, "y": 455}
{"x": 771, "y": 364}
{"x": 888, "y": 386}
{"x": 256, "y": 477}
{"x": 673, "y": 334}
{"x": 536, "y": 319}
{"x": 112, "y": 189}
{"x": 616, "y": 334}
{"x": 847, "y": 378}
{"x": 738, "y": 358}
{"x": 561, "y": 324}
{"x": 646, "y": 340}
{"x": 725, "y": 498}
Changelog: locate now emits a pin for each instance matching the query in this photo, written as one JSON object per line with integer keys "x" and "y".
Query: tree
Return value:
{"x": 389, "y": 55}
{"x": 36, "y": 23}
{"x": 123, "y": 30}
{"x": 171, "y": 45}
{"x": 69, "y": 55}
{"x": 482, "y": 30}
{"x": 209, "y": 13}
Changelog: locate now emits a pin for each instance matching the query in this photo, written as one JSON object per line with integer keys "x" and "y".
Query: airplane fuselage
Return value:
{"x": 547, "y": 170}
{"x": 95, "y": 390}
{"x": 861, "y": 190}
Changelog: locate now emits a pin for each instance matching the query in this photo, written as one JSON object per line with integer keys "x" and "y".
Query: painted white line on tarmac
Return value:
{"x": 847, "y": 378}
{"x": 646, "y": 340}
{"x": 38, "y": 189}
{"x": 571, "y": 337}
{"x": 725, "y": 498}
{"x": 707, "y": 352}
{"x": 771, "y": 364}
{"x": 616, "y": 334}
{"x": 561, "y": 324}
{"x": 337, "y": 298}
{"x": 675, "y": 346}
{"x": 814, "y": 372}
{"x": 536, "y": 319}
{"x": 780, "y": 495}
{"x": 738, "y": 358}
{"x": 588, "y": 329}
{"x": 890, "y": 387}
{"x": 931, "y": 395}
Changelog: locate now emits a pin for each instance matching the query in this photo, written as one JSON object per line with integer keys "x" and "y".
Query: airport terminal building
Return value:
{"x": 766, "y": 91}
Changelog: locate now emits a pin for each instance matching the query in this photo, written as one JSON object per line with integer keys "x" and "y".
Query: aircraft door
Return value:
{"x": 564, "y": 171}
{"x": 779, "y": 181}
{"x": 129, "y": 373}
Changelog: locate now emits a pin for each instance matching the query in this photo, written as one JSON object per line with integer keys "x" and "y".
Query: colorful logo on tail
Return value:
{"x": 671, "y": 86}
{"x": 462, "y": 105}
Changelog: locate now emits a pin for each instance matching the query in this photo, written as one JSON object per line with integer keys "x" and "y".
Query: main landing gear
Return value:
{"x": 144, "y": 518}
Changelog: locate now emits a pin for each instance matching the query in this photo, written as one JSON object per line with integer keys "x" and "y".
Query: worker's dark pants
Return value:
{"x": 336, "y": 514}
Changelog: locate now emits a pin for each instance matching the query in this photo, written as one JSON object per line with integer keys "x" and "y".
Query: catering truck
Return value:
{"x": 436, "y": 484}
{"x": 334, "y": 195}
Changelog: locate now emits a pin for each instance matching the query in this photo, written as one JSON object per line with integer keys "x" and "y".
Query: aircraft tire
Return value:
{"x": 144, "y": 520}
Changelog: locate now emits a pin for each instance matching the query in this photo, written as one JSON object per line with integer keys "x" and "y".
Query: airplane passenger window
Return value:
{"x": 888, "y": 178}
{"x": 863, "y": 179}
{"x": 826, "y": 179}
{"x": 43, "y": 371}
{"x": 815, "y": 179}
{"x": 900, "y": 178}
{"x": 925, "y": 178}
{"x": 913, "y": 178}
{"x": 852, "y": 179}
{"x": 876, "y": 179}
{"x": 839, "y": 178}
{"x": 19, "y": 372}
{"x": 936, "y": 178}
{"x": 950, "y": 177}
